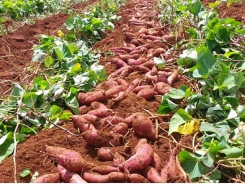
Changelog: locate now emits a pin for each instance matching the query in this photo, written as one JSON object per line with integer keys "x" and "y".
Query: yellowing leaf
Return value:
{"x": 190, "y": 127}
{"x": 60, "y": 33}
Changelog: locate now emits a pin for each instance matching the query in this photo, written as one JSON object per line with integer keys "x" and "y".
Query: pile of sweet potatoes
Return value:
{"x": 105, "y": 131}
{"x": 143, "y": 165}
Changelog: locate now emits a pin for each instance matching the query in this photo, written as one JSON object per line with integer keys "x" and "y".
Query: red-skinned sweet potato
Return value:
{"x": 141, "y": 159}
{"x": 118, "y": 159}
{"x": 82, "y": 96}
{"x": 123, "y": 83}
{"x": 129, "y": 119}
{"x": 93, "y": 177}
{"x": 162, "y": 88}
{"x": 113, "y": 91}
{"x": 143, "y": 127}
{"x": 70, "y": 159}
{"x": 157, "y": 52}
{"x": 120, "y": 128}
{"x": 173, "y": 77}
{"x": 97, "y": 105}
{"x": 69, "y": 177}
{"x": 80, "y": 122}
{"x": 99, "y": 138}
{"x": 119, "y": 62}
{"x": 105, "y": 154}
{"x": 156, "y": 162}
{"x": 138, "y": 88}
{"x": 105, "y": 169}
{"x": 137, "y": 178}
{"x": 97, "y": 96}
{"x": 48, "y": 178}
{"x": 147, "y": 93}
{"x": 113, "y": 120}
{"x": 152, "y": 175}
{"x": 133, "y": 85}
{"x": 101, "y": 113}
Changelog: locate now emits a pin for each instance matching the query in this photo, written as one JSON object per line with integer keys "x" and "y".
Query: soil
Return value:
{"x": 16, "y": 53}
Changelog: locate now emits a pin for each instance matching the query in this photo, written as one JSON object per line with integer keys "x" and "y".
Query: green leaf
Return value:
{"x": 233, "y": 152}
{"x": 241, "y": 111}
{"x": 180, "y": 93}
{"x": 205, "y": 63}
{"x": 29, "y": 99}
{"x": 167, "y": 106}
{"x": 179, "y": 118}
{"x": 191, "y": 165}
{"x": 65, "y": 115}
{"x": 76, "y": 68}
{"x": 221, "y": 129}
{"x": 17, "y": 90}
{"x": 73, "y": 104}
{"x": 195, "y": 7}
{"x": 55, "y": 112}
{"x": 25, "y": 172}
{"x": 6, "y": 146}
{"x": 48, "y": 61}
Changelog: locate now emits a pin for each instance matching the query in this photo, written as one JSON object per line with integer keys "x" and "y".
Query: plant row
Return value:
{"x": 68, "y": 66}
{"x": 213, "y": 54}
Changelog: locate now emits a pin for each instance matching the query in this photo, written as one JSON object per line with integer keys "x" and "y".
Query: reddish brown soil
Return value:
{"x": 31, "y": 153}
{"x": 236, "y": 10}
{"x": 16, "y": 48}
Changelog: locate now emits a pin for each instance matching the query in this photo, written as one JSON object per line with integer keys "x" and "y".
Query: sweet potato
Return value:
{"x": 133, "y": 85}
{"x": 97, "y": 105}
{"x": 172, "y": 170}
{"x": 141, "y": 68}
{"x": 113, "y": 91}
{"x": 48, "y": 178}
{"x": 69, "y": 177}
{"x": 123, "y": 83}
{"x": 173, "y": 77}
{"x": 105, "y": 154}
{"x": 125, "y": 57}
{"x": 152, "y": 175}
{"x": 156, "y": 162}
{"x": 93, "y": 177}
{"x": 120, "y": 128}
{"x": 97, "y": 96}
{"x": 127, "y": 49}
{"x": 113, "y": 120}
{"x": 141, "y": 50}
{"x": 137, "y": 178}
{"x": 129, "y": 35}
{"x": 119, "y": 71}
{"x": 129, "y": 119}
{"x": 80, "y": 122}
{"x": 143, "y": 127}
{"x": 110, "y": 83}
{"x": 162, "y": 88}
{"x": 157, "y": 52}
{"x": 141, "y": 159}
{"x": 138, "y": 88}
{"x": 147, "y": 93}
{"x": 152, "y": 38}
{"x": 122, "y": 95}
{"x": 149, "y": 64}
{"x": 82, "y": 96}
{"x": 120, "y": 63}
{"x": 118, "y": 159}
{"x": 99, "y": 138}
{"x": 70, "y": 159}
{"x": 101, "y": 113}
{"x": 105, "y": 169}
{"x": 91, "y": 119}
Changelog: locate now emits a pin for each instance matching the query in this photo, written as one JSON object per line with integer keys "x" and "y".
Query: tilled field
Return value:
{"x": 120, "y": 117}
